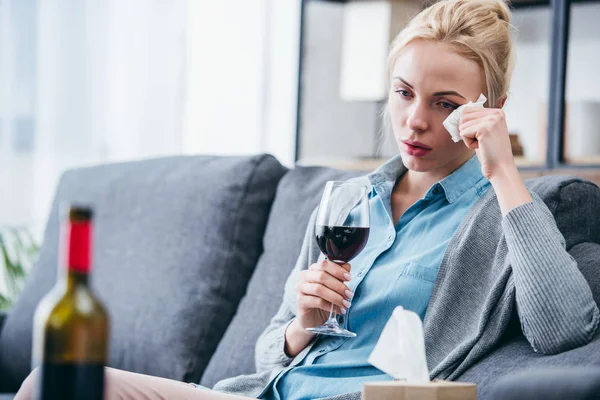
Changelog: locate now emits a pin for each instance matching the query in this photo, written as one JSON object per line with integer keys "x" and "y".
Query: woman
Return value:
{"x": 457, "y": 214}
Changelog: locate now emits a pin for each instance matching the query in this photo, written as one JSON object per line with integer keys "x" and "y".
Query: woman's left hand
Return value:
{"x": 485, "y": 131}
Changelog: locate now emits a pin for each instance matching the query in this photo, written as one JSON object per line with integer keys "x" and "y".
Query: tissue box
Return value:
{"x": 436, "y": 390}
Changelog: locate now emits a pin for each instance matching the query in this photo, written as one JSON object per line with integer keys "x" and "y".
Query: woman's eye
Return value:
{"x": 402, "y": 93}
{"x": 448, "y": 106}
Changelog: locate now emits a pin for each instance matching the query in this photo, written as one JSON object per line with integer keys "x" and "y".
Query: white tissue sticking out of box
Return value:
{"x": 400, "y": 350}
{"x": 451, "y": 123}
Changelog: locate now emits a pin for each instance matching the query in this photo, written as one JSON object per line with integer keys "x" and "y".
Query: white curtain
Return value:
{"x": 17, "y": 122}
{"x": 85, "y": 82}
{"x": 92, "y": 81}
{"x": 110, "y": 84}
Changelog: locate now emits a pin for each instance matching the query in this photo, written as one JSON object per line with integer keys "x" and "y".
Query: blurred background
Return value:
{"x": 94, "y": 81}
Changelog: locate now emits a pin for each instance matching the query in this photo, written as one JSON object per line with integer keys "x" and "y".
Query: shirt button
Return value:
{"x": 436, "y": 190}
{"x": 322, "y": 351}
{"x": 360, "y": 274}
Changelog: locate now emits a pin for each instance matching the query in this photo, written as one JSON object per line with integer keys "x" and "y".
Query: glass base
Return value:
{"x": 331, "y": 328}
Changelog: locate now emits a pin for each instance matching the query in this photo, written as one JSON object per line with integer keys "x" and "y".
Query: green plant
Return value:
{"x": 18, "y": 251}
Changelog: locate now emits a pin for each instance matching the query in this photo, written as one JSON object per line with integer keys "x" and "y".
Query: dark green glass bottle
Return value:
{"x": 70, "y": 343}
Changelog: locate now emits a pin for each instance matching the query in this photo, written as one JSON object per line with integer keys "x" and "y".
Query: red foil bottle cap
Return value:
{"x": 79, "y": 239}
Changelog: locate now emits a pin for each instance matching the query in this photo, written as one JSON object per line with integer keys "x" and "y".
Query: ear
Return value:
{"x": 501, "y": 101}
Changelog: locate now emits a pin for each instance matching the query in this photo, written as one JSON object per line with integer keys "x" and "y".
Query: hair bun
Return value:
{"x": 501, "y": 9}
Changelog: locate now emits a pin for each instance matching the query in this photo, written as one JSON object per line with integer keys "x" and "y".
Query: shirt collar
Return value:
{"x": 462, "y": 179}
{"x": 388, "y": 172}
{"x": 454, "y": 185}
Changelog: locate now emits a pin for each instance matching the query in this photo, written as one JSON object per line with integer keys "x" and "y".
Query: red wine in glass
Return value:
{"x": 341, "y": 243}
{"x": 342, "y": 231}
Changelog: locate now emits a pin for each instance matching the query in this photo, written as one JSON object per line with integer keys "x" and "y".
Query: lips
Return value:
{"x": 416, "y": 149}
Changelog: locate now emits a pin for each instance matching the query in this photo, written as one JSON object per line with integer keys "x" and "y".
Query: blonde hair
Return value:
{"x": 479, "y": 30}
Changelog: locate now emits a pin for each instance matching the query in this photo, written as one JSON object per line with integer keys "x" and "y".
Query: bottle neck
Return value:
{"x": 75, "y": 279}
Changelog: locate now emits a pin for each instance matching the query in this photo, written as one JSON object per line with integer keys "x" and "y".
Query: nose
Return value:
{"x": 417, "y": 118}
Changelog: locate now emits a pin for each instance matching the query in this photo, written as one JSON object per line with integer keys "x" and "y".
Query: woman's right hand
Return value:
{"x": 319, "y": 286}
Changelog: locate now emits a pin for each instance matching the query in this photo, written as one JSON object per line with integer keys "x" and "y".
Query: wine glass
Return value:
{"x": 342, "y": 231}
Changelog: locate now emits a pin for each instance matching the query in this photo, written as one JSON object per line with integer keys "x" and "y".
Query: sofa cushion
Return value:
{"x": 517, "y": 357}
{"x": 543, "y": 383}
{"x": 176, "y": 241}
{"x": 298, "y": 194}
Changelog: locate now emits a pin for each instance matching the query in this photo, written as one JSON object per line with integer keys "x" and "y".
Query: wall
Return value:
{"x": 330, "y": 127}
{"x": 528, "y": 95}
{"x": 333, "y": 129}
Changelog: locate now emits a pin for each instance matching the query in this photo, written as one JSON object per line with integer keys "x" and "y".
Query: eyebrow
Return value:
{"x": 443, "y": 93}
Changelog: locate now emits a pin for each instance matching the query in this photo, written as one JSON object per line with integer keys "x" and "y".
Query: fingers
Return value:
{"x": 341, "y": 272}
{"x": 332, "y": 276}
{"x": 322, "y": 285}
{"x": 469, "y": 136}
{"x": 468, "y": 128}
{"x": 311, "y": 302}
{"x": 328, "y": 281}
{"x": 488, "y": 120}
{"x": 469, "y": 123}
{"x": 321, "y": 274}
{"x": 473, "y": 113}
{"x": 321, "y": 292}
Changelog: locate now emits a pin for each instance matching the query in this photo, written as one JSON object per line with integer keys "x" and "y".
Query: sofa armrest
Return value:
{"x": 549, "y": 383}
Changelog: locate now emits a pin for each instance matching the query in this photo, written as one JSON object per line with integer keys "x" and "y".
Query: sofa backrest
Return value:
{"x": 176, "y": 241}
{"x": 298, "y": 193}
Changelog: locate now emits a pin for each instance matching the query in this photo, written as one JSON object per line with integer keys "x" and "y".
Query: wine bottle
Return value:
{"x": 70, "y": 339}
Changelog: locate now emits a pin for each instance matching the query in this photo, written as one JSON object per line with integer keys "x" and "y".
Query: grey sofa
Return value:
{"x": 190, "y": 257}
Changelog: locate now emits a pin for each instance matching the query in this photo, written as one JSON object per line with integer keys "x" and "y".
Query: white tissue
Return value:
{"x": 451, "y": 123}
{"x": 400, "y": 350}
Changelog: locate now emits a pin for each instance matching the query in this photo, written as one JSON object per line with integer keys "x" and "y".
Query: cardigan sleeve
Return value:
{"x": 554, "y": 301}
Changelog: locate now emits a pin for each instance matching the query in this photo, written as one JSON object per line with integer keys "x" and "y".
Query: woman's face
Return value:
{"x": 429, "y": 81}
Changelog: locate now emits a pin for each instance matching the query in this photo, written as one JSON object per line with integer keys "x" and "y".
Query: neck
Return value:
{"x": 416, "y": 183}
{"x": 76, "y": 278}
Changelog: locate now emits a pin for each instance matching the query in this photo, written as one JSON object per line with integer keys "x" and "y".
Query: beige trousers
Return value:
{"x": 123, "y": 385}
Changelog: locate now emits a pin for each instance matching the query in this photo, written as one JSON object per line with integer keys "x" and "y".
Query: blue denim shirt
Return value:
{"x": 397, "y": 268}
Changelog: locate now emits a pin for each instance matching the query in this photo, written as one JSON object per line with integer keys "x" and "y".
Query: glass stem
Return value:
{"x": 332, "y": 318}
{"x": 332, "y": 315}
